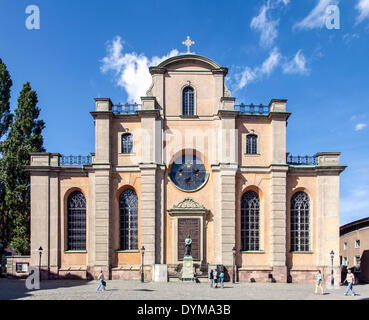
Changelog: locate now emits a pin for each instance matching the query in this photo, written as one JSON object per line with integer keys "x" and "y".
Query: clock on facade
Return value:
{"x": 188, "y": 173}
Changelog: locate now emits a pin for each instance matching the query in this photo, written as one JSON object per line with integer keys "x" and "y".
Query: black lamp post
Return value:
{"x": 234, "y": 260}
{"x": 332, "y": 257}
{"x": 142, "y": 263}
{"x": 39, "y": 262}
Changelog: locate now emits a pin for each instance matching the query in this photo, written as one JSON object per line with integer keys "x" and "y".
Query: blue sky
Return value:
{"x": 273, "y": 48}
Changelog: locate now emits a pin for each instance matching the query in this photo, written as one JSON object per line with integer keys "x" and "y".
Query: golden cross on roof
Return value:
{"x": 188, "y": 43}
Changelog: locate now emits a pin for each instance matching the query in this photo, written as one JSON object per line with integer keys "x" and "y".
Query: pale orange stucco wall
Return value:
{"x": 68, "y": 184}
{"x": 120, "y": 183}
{"x": 307, "y": 184}
{"x": 260, "y": 183}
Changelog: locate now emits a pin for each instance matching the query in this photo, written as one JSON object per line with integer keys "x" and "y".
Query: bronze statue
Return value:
{"x": 188, "y": 242}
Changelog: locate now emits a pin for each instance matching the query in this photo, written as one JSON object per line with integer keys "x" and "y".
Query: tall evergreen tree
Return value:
{"x": 25, "y": 136}
{"x": 5, "y": 120}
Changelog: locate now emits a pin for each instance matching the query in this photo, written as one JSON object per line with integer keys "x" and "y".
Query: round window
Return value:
{"x": 188, "y": 173}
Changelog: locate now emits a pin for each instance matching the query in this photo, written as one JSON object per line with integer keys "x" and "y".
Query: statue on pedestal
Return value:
{"x": 188, "y": 242}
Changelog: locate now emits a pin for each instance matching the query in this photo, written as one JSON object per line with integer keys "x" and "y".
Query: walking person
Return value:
{"x": 102, "y": 283}
{"x": 350, "y": 279}
{"x": 216, "y": 278}
{"x": 319, "y": 283}
{"x": 221, "y": 277}
{"x": 211, "y": 278}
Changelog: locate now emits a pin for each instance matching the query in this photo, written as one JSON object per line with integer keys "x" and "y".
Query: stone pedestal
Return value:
{"x": 160, "y": 273}
{"x": 187, "y": 270}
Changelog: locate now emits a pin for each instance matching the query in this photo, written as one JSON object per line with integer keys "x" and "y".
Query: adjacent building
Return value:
{"x": 354, "y": 248}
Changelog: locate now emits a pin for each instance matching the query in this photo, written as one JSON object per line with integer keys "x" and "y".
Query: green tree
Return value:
{"x": 5, "y": 120}
{"x": 25, "y": 136}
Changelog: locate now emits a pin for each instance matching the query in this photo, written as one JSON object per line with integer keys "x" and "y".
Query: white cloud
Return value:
{"x": 316, "y": 18}
{"x": 249, "y": 75}
{"x": 297, "y": 65}
{"x": 348, "y": 37}
{"x": 363, "y": 8}
{"x": 360, "y": 126}
{"x": 266, "y": 26}
{"x": 131, "y": 69}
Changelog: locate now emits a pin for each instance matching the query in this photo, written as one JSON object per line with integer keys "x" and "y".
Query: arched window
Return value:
{"x": 76, "y": 220}
{"x": 251, "y": 144}
{"x": 300, "y": 221}
{"x": 250, "y": 212}
{"x": 127, "y": 143}
{"x": 128, "y": 215}
{"x": 188, "y": 102}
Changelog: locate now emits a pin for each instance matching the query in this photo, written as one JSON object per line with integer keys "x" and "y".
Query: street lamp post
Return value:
{"x": 332, "y": 257}
{"x": 142, "y": 263}
{"x": 39, "y": 263}
{"x": 234, "y": 260}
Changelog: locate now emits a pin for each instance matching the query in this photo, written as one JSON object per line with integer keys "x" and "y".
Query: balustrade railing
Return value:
{"x": 74, "y": 160}
{"x": 126, "y": 108}
{"x": 252, "y": 109}
{"x": 302, "y": 160}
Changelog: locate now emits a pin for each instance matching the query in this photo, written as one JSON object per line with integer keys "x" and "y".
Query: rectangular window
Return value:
{"x": 344, "y": 261}
{"x": 345, "y": 246}
{"x": 21, "y": 267}
{"x": 357, "y": 244}
{"x": 357, "y": 262}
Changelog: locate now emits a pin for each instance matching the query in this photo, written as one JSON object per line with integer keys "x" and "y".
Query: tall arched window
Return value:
{"x": 251, "y": 144}
{"x": 76, "y": 220}
{"x": 128, "y": 215}
{"x": 300, "y": 221}
{"x": 188, "y": 107}
{"x": 250, "y": 214}
{"x": 127, "y": 143}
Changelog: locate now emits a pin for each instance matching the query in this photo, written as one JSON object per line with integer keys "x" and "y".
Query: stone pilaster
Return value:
{"x": 100, "y": 219}
{"x": 227, "y": 212}
{"x": 151, "y": 189}
{"x": 327, "y": 233}
{"x": 278, "y": 221}
{"x": 54, "y": 223}
{"x": 45, "y": 210}
{"x": 160, "y": 217}
{"x": 148, "y": 211}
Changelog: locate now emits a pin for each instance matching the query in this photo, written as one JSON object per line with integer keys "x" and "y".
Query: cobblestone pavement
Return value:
{"x": 135, "y": 290}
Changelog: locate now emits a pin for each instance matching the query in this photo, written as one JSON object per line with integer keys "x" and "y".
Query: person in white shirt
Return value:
{"x": 101, "y": 281}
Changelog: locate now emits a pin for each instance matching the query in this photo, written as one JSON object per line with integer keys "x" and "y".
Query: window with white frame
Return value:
{"x": 357, "y": 243}
{"x": 345, "y": 246}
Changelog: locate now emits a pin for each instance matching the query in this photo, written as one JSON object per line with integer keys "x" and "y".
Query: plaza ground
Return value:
{"x": 12, "y": 289}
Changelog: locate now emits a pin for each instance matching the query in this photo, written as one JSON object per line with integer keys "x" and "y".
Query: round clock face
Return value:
{"x": 188, "y": 173}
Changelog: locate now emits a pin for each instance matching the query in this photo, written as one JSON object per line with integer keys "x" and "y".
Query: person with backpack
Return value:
{"x": 102, "y": 283}
{"x": 211, "y": 278}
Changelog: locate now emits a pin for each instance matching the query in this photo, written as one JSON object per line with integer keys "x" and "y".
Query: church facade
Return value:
{"x": 187, "y": 161}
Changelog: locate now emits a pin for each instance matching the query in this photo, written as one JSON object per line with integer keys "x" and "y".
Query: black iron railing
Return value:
{"x": 252, "y": 109}
{"x": 126, "y": 108}
{"x": 302, "y": 160}
{"x": 74, "y": 160}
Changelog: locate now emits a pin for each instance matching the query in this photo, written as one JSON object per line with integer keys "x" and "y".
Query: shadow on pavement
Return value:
{"x": 12, "y": 289}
